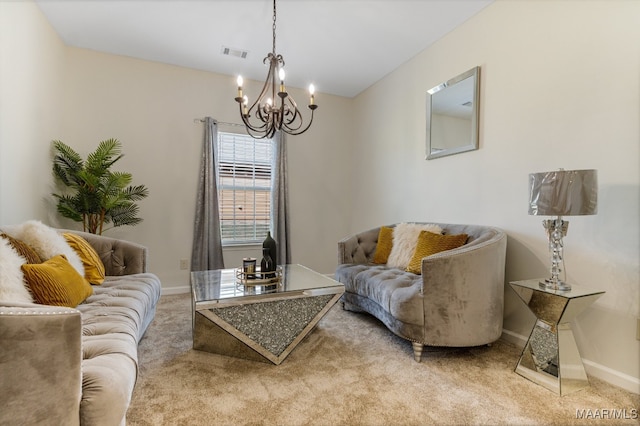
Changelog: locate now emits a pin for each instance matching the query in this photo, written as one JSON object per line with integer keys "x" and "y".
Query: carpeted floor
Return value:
{"x": 350, "y": 370}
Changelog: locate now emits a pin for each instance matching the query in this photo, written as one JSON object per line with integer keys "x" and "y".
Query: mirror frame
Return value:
{"x": 475, "y": 113}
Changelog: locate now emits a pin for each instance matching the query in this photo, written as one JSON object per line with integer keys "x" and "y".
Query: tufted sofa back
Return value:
{"x": 120, "y": 257}
{"x": 361, "y": 247}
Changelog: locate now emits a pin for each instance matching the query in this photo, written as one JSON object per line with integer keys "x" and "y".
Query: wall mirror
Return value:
{"x": 452, "y": 115}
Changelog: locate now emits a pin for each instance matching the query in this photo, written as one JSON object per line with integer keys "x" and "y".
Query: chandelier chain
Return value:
{"x": 274, "y": 27}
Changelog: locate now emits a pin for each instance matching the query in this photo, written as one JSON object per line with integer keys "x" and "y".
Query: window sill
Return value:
{"x": 241, "y": 246}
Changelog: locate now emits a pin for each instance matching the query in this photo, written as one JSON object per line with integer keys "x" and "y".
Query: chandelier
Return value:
{"x": 273, "y": 110}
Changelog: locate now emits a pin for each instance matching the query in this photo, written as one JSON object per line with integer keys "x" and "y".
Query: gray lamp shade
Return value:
{"x": 563, "y": 193}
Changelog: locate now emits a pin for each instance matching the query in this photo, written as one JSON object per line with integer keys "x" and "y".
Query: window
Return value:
{"x": 244, "y": 187}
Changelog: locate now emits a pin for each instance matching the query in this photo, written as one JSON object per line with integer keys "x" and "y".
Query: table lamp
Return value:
{"x": 561, "y": 193}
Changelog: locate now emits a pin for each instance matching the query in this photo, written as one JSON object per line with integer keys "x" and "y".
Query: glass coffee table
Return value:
{"x": 234, "y": 317}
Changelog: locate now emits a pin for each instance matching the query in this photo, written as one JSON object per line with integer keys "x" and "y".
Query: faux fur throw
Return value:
{"x": 405, "y": 240}
{"x": 46, "y": 241}
{"x": 12, "y": 286}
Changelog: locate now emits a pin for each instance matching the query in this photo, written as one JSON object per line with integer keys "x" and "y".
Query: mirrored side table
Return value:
{"x": 550, "y": 357}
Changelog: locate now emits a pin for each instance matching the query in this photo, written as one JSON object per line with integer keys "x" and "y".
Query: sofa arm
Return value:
{"x": 40, "y": 364}
{"x": 120, "y": 257}
{"x": 358, "y": 248}
{"x": 464, "y": 293}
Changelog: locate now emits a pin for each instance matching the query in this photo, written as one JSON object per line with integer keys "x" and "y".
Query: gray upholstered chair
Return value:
{"x": 457, "y": 301}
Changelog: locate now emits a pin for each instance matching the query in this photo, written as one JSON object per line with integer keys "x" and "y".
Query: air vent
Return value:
{"x": 238, "y": 53}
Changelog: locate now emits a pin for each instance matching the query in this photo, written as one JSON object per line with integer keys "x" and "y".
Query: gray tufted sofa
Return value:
{"x": 62, "y": 366}
{"x": 456, "y": 302}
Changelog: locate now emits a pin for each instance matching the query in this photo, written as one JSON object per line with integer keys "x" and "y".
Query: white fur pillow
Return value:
{"x": 12, "y": 286}
{"x": 405, "y": 240}
{"x": 46, "y": 242}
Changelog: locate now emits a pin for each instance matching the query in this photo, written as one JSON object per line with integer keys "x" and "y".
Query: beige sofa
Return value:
{"x": 457, "y": 301}
{"x": 63, "y": 366}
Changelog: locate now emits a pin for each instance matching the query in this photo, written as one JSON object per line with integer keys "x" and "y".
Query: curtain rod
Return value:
{"x": 201, "y": 120}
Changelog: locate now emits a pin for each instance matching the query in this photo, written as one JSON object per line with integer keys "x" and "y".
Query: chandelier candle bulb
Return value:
{"x": 240, "y": 81}
{"x": 312, "y": 91}
{"x": 281, "y": 75}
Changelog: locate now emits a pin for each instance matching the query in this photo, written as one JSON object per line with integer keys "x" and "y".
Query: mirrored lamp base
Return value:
{"x": 556, "y": 285}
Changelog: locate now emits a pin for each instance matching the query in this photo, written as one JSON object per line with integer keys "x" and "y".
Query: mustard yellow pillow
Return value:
{"x": 384, "y": 246}
{"x": 23, "y": 249}
{"x": 93, "y": 267}
{"x": 430, "y": 243}
{"x": 55, "y": 282}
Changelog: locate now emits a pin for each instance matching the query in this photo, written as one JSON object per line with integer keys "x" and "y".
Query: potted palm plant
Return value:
{"x": 94, "y": 194}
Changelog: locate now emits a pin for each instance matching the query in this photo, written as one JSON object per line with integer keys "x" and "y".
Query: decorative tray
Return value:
{"x": 257, "y": 278}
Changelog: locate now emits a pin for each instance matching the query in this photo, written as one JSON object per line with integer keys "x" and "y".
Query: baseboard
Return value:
{"x": 609, "y": 375}
{"x": 175, "y": 290}
{"x": 514, "y": 338}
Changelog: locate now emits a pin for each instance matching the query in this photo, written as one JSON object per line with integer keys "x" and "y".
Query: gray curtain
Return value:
{"x": 206, "y": 253}
{"x": 280, "y": 199}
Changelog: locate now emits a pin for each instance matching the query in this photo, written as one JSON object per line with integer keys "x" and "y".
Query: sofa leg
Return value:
{"x": 417, "y": 351}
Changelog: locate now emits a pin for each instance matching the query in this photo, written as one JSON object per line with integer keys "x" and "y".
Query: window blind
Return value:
{"x": 244, "y": 187}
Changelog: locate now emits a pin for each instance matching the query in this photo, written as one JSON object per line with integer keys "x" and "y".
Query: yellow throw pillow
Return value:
{"x": 384, "y": 246}
{"x": 23, "y": 249}
{"x": 55, "y": 282}
{"x": 94, "y": 270}
{"x": 430, "y": 243}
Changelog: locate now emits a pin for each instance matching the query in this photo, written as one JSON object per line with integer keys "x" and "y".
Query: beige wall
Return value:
{"x": 559, "y": 88}
{"x": 31, "y": 97}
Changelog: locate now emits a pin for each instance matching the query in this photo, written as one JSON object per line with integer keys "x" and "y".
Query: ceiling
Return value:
{"x": 341, "y": 46}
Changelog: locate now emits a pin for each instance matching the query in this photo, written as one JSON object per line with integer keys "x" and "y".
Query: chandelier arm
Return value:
{"x": 295, "y": 133}
{"x": 260, "y": 135}
{"x": 282, "y": 111}
{"x": 294, "y": 112}
{"x": 258, "y": 132}
{"x": 292, "y": 103}
{"x": 245, "y": 117}
{"x": 294, "y": 123}
{"x": 294, "y": 120}
{"x": 252, "y": 127}
{"x": 264, "y": 117}
{"x": 271, "y": 76}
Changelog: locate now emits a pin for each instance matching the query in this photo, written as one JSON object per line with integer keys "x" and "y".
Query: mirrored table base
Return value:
{"x": 551, "y": 357}
{"x": 265, "y": 332}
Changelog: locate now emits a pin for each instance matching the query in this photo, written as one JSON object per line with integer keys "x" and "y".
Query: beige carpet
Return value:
{"x": 350, "y": 370}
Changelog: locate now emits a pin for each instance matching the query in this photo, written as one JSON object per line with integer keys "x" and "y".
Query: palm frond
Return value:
{"x": 136, "y": 193}
{"x": 66, "y": 163}
{"x": 108, "y": 152}
{"x": 67, "y": 207}
{"x": 125, "y": 214}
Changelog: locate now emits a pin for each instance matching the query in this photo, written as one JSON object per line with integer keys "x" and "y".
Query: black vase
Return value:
{"x": 267, "y": 267}
{"x": 270, "y": 243}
